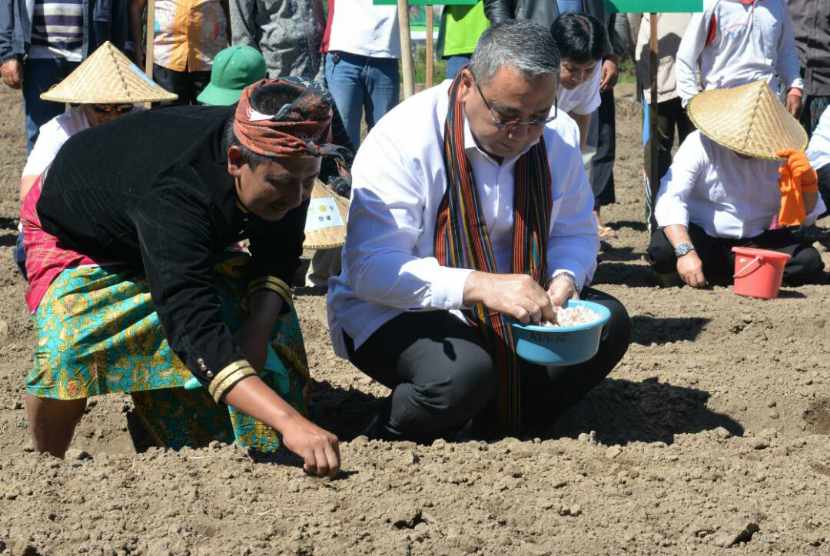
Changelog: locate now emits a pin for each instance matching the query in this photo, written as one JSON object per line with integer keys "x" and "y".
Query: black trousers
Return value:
{"x": 188, "y": 85}
{"x": 804, "y": 266}
{"x": 601, "y": 175}
{"x": 824, "y": 184}
{"x": 442, "y": 377}
{"x": 671, "y": 120}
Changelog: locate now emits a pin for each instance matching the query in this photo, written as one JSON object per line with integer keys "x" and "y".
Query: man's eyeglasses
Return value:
{"x": 501, "y": 123}
{"x": 112, "y": 108}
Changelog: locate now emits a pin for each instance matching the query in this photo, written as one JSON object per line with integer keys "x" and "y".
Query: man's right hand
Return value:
{"x": 690, "y": 269}
{"x": 515, "y": 295}
{"x": 12, "y": 73}
{"x": 318, "y": 447}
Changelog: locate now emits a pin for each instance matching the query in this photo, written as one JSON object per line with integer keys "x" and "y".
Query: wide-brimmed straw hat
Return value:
{"x": 107, "y": 77}
{"x": 325, "y": 223}
{"x": 748, "y": 119}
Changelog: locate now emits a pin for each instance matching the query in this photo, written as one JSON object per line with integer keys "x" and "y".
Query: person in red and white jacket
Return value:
{"x": 734, "y": 42}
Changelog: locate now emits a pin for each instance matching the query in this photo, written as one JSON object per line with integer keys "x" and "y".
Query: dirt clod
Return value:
{"x": 736, "y": 532}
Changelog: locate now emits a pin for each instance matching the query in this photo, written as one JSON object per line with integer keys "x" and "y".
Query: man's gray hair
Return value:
{"x": 516, "y": 43}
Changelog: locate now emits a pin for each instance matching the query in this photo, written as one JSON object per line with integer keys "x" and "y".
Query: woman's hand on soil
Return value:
{"x": 690, "y": 269}
{"x": 515, "y": 295}
{"x": 319, "y": 448}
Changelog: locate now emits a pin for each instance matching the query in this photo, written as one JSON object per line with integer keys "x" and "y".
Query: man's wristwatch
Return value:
{"x": 683, "y": 249}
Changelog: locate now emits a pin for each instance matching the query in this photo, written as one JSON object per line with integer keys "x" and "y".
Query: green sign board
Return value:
{"x": 645, "y": 6}
{"x": 428, "y": 2}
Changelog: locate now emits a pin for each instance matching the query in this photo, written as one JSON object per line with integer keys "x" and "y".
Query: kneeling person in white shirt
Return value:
{"x": 714, "y": 198}
{"x": 470, "y": 207}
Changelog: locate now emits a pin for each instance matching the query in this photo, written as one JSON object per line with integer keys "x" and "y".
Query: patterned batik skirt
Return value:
{"x": 98, "y": 333}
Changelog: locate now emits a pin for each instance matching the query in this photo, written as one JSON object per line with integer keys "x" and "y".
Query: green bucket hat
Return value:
{"x": 234, "y": 68}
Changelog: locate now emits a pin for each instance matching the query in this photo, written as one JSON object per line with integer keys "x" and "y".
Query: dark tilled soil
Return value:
{"x": 711, "y": 433}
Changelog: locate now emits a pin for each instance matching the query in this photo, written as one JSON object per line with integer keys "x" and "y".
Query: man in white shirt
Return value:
{"x": 734, "y": 42}
{"x": 724, "y": 189}
{"x": 437, "y": 187}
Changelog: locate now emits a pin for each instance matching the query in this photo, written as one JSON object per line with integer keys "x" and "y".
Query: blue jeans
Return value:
{"x": 360, "y": 83}
{"x": 38, "y": 76}
{"x": 569, "y": 6}
{"x": 454, "y": 65}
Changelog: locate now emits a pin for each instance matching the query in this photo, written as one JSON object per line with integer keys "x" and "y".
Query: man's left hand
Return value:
{"x": 610, "y": 74}
{"x": 794, "y": 103}
{"x": 561, "y": 289}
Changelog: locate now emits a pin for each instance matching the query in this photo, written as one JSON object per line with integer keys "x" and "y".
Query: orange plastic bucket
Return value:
{"x": 758, "y": 272}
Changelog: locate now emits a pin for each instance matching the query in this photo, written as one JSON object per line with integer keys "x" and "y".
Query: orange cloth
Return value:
{"x": 797, "y": 178}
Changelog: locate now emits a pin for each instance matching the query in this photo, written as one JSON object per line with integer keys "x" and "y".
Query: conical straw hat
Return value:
{"x": 325, "y": 224}
{"x": 107, "y": 77}
{"x": 748, "y": 120}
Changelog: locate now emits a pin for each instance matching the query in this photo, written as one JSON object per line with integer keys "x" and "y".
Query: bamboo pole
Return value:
{"x": 429, "y": 55}
{"x": 407, "y": 66}
{"x": 654, "y": 166}
{"x": 151, "y": 35}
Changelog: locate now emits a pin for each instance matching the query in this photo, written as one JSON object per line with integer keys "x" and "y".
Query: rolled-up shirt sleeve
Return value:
{"x": 573, "y": 242}
{"x": 688, "y": 56}
{"x": 671, "y": 207}
{"x": 386, "y": 219}
{"x": 174, "y": 233}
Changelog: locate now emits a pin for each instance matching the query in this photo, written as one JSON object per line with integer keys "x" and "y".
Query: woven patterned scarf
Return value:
{"x": 462, "y": 241}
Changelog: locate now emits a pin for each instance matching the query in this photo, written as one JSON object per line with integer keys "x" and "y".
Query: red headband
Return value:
{"x": 296, "y": 130}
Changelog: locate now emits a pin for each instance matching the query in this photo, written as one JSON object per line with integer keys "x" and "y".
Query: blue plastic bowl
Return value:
{"x": 561, "y": 345}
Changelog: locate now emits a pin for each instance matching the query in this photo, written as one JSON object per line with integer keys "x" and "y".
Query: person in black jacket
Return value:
{"x": 127, "y": 247}
{"x": 811, "y": 23}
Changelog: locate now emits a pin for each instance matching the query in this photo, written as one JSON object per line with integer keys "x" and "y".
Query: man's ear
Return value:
{"x": 235, "y": 161}
{"x": 466, "y": 85}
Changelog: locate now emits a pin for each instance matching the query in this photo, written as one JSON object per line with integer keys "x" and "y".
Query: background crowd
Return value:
{"x": 353, "y": 46}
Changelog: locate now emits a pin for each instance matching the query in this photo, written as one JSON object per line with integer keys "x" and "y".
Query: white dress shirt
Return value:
{"x": 725, "y": 194}
{"x": 818, "y": 151}
{"x": 752, "y": 42}
{"x": 584, "y": 98}
{"x": 53, "y": 134}
{"x": 398, "y": 182}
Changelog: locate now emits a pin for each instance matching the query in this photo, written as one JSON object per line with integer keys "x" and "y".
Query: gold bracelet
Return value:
{"x": 273, "y": 284}
{"x": 272, "y": 281}
{"x": 228, "y": 377}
